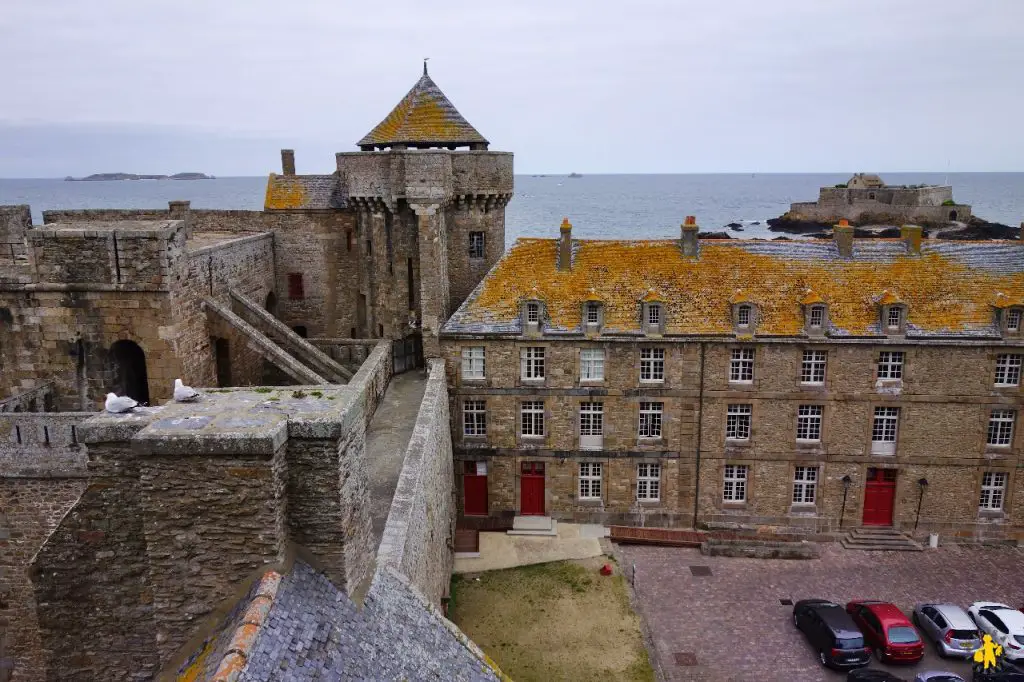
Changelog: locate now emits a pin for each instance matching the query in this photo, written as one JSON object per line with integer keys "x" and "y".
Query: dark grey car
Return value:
{"x": 831, "y": 631}
{"x": 949, "y": 627}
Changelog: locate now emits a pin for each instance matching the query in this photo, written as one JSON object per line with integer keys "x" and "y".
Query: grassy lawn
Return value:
{"x": 557, "y": 621}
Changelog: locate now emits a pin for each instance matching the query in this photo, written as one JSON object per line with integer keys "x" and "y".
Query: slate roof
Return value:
{"x": 313, "y": 631}
{"x": 304, "y": 192}
{"x": 949, "y": 289}
{"x": 424, "y": 117}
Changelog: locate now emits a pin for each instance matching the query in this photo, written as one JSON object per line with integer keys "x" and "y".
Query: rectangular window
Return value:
{"x": 812, "y": 371}
{"x": 473, "y": 362}
{"x": 591, "y": 426}
{"x": 735, "y": 489}
{"x": 531, "y": 363}
{"x": 650, "y": 420}
{"x": 805, "y": 481}
{"x": 653, "y": 314}
{"x": 593, "y": 313}
{"x": 533, "y": 313}
{"x": 652, "y": 364}
{"x": 895, "y": 317}
{"x": 476, "y": 244}
{"x": 883, "y": 431}
{"x": 817, "y": 316}
{"x": 296, "y": 291}
{"x": 808, "y": 423}
{"x": 592, "y": 364}
{"x": 741, "y": 367}
{"x": 737, "y": 422}
{"x": 1000, "y": 427}
{"x": 890, "y": 364}
{"x": 474, "y": 418}
{"x": 1008, "y": 369}
{"x": 533, "y": 418}
{"x": 743, "y": 316}
{"x": 1013, "y": 320}
{"x": 993, "y": 490}
{"x": 648, "y": 482}
{"x": 590, "y": 481}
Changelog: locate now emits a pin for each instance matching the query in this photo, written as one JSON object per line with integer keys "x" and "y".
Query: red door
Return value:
{"x": 531, "y": 487}
{"x": 474, "y": 484}
{"x": 879, "y": 496}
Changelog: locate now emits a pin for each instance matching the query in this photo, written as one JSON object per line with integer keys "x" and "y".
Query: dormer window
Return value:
{"x": 816, "y": 319}
{"x": 593, "y": 313}
{"x": 654, "y": 315}
{"x": 743, "y": 316}
{"x": 894, "y": 318}
{"x": 533, "y": 313}
{"x": 1013, "y": 320}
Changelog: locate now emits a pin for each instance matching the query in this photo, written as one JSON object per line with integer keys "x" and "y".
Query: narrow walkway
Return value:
{"x": 500, "y": 550}
{"x": 386, "y": 439}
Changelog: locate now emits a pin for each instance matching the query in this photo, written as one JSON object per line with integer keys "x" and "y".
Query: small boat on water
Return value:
{"x": 575, "y": 175}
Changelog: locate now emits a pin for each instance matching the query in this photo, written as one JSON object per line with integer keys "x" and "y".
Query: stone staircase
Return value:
{"x": 880, "y": 539}
{"x": 534, "y": 525}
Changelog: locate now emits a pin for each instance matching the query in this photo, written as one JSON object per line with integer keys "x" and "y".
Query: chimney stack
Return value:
{"x": 688, "y": 236}
{"x": 181, "y": 210}
{"x": 843, "y": 235}
{"x": 565, "y": 246}
{"x": 288, "y": 161}
{"x": 911, "y": 236}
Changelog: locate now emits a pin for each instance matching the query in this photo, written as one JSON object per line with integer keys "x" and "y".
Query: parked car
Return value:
{"x": 1005, "y": 624}
{"x": 832, "y": 632}
{"x": 950, "y": 627}
{"x": 887, "y": 631}
{"x": 872, "y": 675}
{"x": 938, "y": 676}
{"x": 1004, "y": 675}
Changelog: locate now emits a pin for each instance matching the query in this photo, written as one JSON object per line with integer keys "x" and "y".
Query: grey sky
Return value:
{"x": 599, "y": 86}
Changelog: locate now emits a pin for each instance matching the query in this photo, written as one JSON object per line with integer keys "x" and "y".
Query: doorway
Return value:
{"x": 531, "y": 489}
{"x": 129, "y": 371}
{"x": 222, "y": 357}
{"x": 879, "y": 497}
{"x": 474, "y": 486}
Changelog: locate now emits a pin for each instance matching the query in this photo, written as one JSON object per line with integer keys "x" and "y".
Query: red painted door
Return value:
{"x": 879, "y": 497}
{"x": 474, "y": 483}
{"x": 531, "y": 487}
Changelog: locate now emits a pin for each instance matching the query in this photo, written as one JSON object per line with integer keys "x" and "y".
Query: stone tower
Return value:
{"x": 425, "y": 186}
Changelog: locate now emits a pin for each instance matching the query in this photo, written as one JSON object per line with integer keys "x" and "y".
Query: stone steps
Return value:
{"x": 880, "y": 540}
{"x": 534, "y": 525}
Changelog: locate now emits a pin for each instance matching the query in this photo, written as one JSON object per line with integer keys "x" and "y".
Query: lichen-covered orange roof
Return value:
{"x": 949, "y": 288}
{"x": 425, "y": 115}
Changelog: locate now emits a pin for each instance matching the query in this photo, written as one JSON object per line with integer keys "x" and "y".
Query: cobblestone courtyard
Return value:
{"x": 735, "y": 625}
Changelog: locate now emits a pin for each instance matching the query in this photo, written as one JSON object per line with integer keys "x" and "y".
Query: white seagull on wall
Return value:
{"x": 119, "y": 403}
{"x": 183, "y": 393}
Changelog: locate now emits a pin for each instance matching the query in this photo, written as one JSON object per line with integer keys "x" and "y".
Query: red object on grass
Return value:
{"x": 606, "y": 569}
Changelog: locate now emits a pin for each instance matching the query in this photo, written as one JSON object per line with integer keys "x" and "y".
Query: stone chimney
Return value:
{"x": 288, "y": 161}
{"x": 843, "y": 234}
{"x": 565, "y": 246}
{"x": 688, "y": 236}
{"x": 181, "y": 210}
{"x": 911, "y": 236}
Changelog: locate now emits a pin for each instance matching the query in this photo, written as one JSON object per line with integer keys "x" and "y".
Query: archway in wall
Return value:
{"x": 301, "y": 330}
{"x": 271, "y": 304}
{"x": 222, "y": 358}
{"x": 952, "y": 215}
{"x": 129, "y": 378}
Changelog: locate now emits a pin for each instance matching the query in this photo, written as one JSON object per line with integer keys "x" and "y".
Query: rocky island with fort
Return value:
{"x": 103, "y": 177}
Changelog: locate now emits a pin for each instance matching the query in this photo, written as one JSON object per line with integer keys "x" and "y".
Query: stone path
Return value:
{"x": 734, "y": 624}
{"x": 500, "y": 550}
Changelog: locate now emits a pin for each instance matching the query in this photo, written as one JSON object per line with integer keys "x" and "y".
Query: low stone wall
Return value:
{"x": 760, "y": 549}
{"x": 418, "y": 537}
{"x": 346, "y": 351}
{"x": 41, "y": 444}
{"x": 38, "y": 399}
{"x": 874, "y": 213}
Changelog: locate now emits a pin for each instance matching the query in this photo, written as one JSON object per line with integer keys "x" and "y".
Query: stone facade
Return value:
{"x": 872, "y": 201}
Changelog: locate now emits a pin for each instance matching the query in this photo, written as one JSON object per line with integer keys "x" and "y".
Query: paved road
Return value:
{"x": 739, "y": 631}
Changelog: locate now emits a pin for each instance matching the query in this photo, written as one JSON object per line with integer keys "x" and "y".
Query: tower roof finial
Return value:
{"x": 425, "y": 65}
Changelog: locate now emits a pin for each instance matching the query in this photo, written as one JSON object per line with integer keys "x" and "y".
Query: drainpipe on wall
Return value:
{"x": 700, "y": 421}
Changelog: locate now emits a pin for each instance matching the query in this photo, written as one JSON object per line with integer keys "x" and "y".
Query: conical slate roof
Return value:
{"x": 424, "y": 118}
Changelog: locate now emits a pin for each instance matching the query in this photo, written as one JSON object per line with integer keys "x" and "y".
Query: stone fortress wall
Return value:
{"x": 883, "y": 203}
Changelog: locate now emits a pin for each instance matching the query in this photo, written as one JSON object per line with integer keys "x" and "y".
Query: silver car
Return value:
{"x": 937, "y": 676}
{"x": 949, "y": 627}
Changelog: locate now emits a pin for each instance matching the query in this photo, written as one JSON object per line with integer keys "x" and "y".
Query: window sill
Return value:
{"x": 992, "y": 514}
{"x": 649, "y": 503}
{"x": 808, "y": 444}
{"x": 476, "y": 438}
{"x": 734, "y": 506}
{"x": 474, "y": 380}
{"x": 591, "y": 382}
{"x": 590, "y": 501}
{"x": 652, "y": 382}
{"x": 809, "y": 509}
{"x": 649, "y": 442}
{"x": 812, "y": 384}
{"x": 1006, "y": 387}
{"x": 737, "y": 442}
{"x": 533, "y": 382}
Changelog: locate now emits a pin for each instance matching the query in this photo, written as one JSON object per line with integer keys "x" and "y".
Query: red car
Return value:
{"x": 887, "y": 631}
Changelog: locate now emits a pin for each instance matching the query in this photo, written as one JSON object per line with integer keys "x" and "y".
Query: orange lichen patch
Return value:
{"x": 592, "y": 297}
{"x": 566, "y": 225}
{"x": 651, "y": 296}
{"x": 942, "y": 292}
{"x": 284, "y": 192}
{"x": 888, "y": 298}
{"x": 424, "y": 115}
{"x": 739, "y": 297}
{"x": 811, "y": 297}
{"x": 230, "y": 668}
{"x": 195, "y": 669}
{"x": 1001, "y": 300}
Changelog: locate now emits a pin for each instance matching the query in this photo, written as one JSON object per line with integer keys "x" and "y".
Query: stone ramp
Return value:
{"x": 500, "y": 550}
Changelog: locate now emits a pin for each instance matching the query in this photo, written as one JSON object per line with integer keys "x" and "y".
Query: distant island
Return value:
{"x": 575, "y": 175}
{"x": 133, "y": 176}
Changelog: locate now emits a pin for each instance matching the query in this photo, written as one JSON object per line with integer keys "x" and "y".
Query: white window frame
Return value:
{"x": 894, "y": 317}
{"x": 652, "y": 364}
{"x": 738, "y": 419}
{"x": 654, "y": 315}
{"x": 651, "y": 420}
{"x": 590, "y": 481}
{"x": 816, "y": 318}
{"x": 591, "y": 426}
{"x": 648, "y": 482}
{"x": 993, "y": 490}
{"x": 474, "y": 418}
{"x": 813, "y": 367}
{"x": 744, "y": 313}
{"x": 890, "y": 365}
{"x": 474, "y": 362}
{"x": 741, "y": 366}
{"x": 531, "y": 413}
{"x": 1000, "y": 428}
{"x": 808, "y": 423}
{"x": 477, "y": 244}
{"x": 591, "y": 365}
{"x": 734, "y": 483}
{"x": 531, "y": 363}
{"x": 532, "y": 312}
{"x": 884, "y": 430}
{"x": 805, "y": 485}
{"x": 593, "y": 313}
{"x": 1013, "y": 320}
{"x": 1008, "y": 366}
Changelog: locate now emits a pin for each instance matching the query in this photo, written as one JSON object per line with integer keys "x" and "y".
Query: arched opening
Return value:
{"x": 271, "y": 304}
{"x": 129, "y": 371}
{"x": 871, "y": 195}
{"x": 222, "y": 357}
{"x": 952, "y": 215}
{"x": 301, "y": 330}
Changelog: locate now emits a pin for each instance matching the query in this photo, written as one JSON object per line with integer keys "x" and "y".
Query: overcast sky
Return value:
{"x": 602, "y": 86}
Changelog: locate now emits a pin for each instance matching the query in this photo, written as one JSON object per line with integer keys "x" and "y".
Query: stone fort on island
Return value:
{"x": 380, "y": 378}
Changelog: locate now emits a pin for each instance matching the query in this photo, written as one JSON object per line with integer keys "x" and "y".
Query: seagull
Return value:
{"x": 183, "y": 393}
{"x": 119, "y": 403}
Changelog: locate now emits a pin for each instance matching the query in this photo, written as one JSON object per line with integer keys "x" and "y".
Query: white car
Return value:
{"x": 1004, "y": 623}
